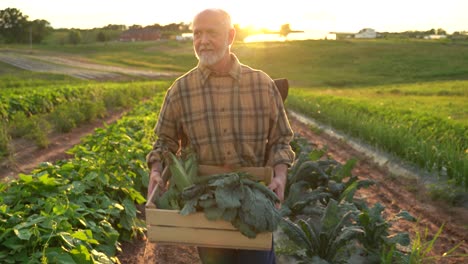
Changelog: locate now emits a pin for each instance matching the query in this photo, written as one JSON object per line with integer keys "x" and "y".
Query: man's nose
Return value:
{"x": 204, "y": 38}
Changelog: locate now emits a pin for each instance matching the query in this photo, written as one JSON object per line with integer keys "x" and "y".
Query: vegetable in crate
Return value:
{"x": 234, "y": 197}
{"x": 183, "y": 174}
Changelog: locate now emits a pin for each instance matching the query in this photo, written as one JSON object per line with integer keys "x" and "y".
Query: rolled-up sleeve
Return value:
{"x": 166, "y": 129}
{"x": 281, "y": 132}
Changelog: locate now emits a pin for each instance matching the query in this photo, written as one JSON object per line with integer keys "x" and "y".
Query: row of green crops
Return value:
{"x": 78, "y": 210}
{"x": 33, "y": 113}
{"x": 44, "y": 99}
{"x": 430, "y": 131}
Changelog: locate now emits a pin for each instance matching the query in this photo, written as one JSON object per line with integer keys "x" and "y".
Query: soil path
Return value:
{"x": 77, "y": 67}
{"x": 28, "y": 156}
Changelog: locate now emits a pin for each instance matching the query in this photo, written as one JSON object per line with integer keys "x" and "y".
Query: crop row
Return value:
{"x": 34, "y": 113}
{"x": 78, "y": 210}
{"x": 431, "y": 142}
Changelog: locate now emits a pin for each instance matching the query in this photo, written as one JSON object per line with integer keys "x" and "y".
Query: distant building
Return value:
{"x": 141, "y": 34}
{"x": 330, "y": 36}
{"x": 435, "y": 37}
{"x": 366, "y": 33}
{"x": 184, "y": 37}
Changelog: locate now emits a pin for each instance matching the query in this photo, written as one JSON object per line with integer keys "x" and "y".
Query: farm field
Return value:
{"x": 423, "y": 80}
{"x": 425, "y": 123}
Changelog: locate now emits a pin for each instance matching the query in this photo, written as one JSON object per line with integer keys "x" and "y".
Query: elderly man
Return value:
{"x": 229, "y": 114}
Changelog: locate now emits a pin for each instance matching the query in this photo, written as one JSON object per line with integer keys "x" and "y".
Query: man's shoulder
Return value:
{"x": 184, "y": 81}
{"x": 247, "y": 70}
{"x": 190, "y": 75}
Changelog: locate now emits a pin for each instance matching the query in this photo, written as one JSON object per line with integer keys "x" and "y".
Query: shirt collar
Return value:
{"x": 234, "y": 72}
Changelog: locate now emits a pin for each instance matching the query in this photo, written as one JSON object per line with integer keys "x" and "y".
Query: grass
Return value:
{"x": 311, "y": 63}
{"x": 355, "y": 63}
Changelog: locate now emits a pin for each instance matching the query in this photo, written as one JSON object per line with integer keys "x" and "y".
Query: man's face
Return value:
{"x": 210, "y": 39}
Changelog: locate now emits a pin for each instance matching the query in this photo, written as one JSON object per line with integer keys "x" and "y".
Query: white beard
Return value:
{"x": 210, "y": 59}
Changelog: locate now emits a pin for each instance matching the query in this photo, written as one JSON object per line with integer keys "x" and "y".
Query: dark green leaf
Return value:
{"x": 228, "y": 197}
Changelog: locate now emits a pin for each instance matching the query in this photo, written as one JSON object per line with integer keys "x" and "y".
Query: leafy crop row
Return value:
{"x": 324, "y": 223}
{"x": 433, "y": 143}
{"x": 77, "y": 210}
{"x": 45, "y": 99}
{"x": 33, "y": 113}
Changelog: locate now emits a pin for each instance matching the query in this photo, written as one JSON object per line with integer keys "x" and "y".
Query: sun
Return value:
{"x": 257, "y": 18}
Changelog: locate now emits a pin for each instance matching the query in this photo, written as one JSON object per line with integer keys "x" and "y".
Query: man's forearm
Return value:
{"x": 281, "y": 171}
{"x": 156, "y": 166}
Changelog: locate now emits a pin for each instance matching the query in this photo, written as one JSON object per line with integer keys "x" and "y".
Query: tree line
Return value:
{"x": 15, "y": 27}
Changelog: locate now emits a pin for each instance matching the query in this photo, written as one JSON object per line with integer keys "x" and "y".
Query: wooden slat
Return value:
{"x": 173, "y": 218}
{"x": 208, "y": 238}
{"x": 261, "y": 173}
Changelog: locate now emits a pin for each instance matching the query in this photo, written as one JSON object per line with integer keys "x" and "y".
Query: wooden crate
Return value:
{"x": 170, "y": 227}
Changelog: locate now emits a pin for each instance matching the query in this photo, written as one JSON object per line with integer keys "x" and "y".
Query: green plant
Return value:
{"x": 34, "y": 128}
{"x": 4, "y": 138}
{"x": 40, "y": 132}
{"x": 447, "y": 192}
{"x": 377, "y": 241}
{"x": 330, "y": 239}
{"x": 423, "y": 245}
{"x": 66, "y": 117}
{"x": 20, "y": 125}
{"x": 92, "y": 109}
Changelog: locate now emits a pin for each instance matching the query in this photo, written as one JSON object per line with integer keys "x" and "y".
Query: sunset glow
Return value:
{"x": 332, "y": 15}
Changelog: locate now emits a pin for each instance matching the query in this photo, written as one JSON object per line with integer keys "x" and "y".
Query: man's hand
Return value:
{"x": 278, "y": 183}
{"x": 154, "y": 180}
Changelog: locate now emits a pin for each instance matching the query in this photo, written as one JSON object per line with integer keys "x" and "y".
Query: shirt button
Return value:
{"x": 222, "y": 109}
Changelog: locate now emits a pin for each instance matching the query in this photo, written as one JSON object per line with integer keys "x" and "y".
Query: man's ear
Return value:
{"x": 232, "y": 35}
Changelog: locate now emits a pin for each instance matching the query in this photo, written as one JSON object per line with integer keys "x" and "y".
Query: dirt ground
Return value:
{"x": 394, "y": 193}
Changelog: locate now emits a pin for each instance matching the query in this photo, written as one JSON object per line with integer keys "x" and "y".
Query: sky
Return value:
{"x": 314, "y": 15}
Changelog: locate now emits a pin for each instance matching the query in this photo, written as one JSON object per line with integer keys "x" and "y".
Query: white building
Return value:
{"x": 366, "y": 33}
{"x": 330, "y": 36}
{"x": 435, "y": 37}
{"x": 185, "y": 36}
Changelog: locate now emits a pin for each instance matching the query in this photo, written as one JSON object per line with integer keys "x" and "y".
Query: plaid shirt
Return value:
{"x": 236, "y": 119}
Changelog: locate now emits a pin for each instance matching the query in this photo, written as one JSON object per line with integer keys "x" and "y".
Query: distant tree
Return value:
{"x": 12, "y": 26}
{"x": 441, "y": 31}
{"x": 156, "y": 26}
{"x": 135, "y": 27}
{"x": 171, "y": 27}
{"x": 184, "y": 27}
{"x": 74, "y": 37}
{"x": 40, "y": 29}
{"x": 115, "y": 27}
{"x": 285, "y": 30}
{"x": 101, "y": 36}
{"x": 431, "y": 32}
